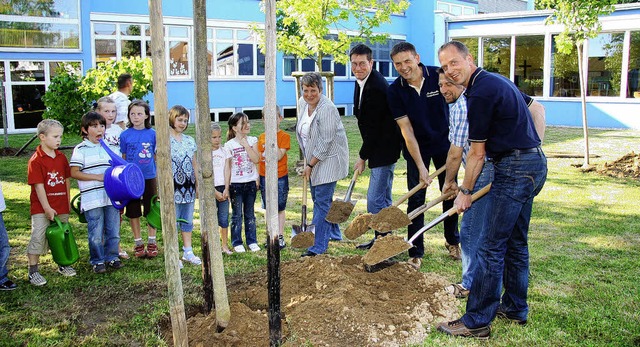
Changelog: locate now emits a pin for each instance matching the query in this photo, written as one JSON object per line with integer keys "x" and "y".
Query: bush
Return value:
{"x": 64, "y": 101}
{"x": 103, "y": 80}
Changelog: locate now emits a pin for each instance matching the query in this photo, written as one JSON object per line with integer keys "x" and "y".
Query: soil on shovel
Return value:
{"x": 304, "y": 239}
{"x": 358, "y": 226}
{"x": 385, "y": 248}
{"x": 330, "y": 301}
{"x": 626, "y": 166}
{"x": 389, "y": 218}
{"x": 339, "y": 211}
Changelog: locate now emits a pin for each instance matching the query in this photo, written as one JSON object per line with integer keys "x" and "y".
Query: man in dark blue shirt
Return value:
{"x": 500, "y": 128}
{"x": 423, "y": 117}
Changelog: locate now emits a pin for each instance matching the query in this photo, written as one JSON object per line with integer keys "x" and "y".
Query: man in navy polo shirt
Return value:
{"x": 422, "y": 115}
{"x": 500, "y": 128}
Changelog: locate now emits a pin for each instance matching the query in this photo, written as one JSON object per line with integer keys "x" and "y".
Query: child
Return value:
{"x": 138, "y": 146}
{"x": 5, "y": 282}
{"x": 222, "y": 177}
{"x": 284, "y": 144}
{"x": 107, "y": 108}
{"x": 88, "y": 164}
{"x": 48, "y": 175}
{"x": 244, "y": 177}
{"x": 183, "y": 162}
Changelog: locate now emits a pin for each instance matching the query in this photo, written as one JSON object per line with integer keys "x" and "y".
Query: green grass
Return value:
{"x": 584, "y": 245}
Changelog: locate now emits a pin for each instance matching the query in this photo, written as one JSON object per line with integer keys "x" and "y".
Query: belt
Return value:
{"x": 516, "y": 152}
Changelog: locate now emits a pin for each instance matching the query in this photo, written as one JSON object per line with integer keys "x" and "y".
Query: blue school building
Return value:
{"x": 36, "y": 40}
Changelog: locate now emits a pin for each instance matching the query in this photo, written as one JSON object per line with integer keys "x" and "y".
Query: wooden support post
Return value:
{"x": 215, "y": 288}
{"x": 165, "y": 177}
{"x": 271, "y": 148}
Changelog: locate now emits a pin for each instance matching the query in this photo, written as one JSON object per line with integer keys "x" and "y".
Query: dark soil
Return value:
{"x": 330, "y": 301}
{"x": 628, "y": 166}
{"x": 303, "y": 240}
{"x": 385, "y": 248}
{"x": 358, "y": 226}
{"x": 339, "y": 211}
{"x": 388, "y": 219}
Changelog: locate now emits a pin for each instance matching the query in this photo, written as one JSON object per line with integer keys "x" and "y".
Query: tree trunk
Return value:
{"x": 583, "y": 99}
{"x": 165, "y": 177}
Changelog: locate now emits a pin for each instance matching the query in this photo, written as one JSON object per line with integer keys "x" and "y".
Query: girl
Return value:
{"x": 222, "y": 177}
{"x": 107, "y": 108}
{"x": 138, "y": 146}
{"x": 183, "y": 162}
{"x": 244, "y": 177}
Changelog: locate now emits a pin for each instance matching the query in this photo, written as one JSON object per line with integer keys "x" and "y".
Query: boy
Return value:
{"x": 88, "y": 164}
{"x": 48, "y": 175}
{"x": 284, "y": 144}
{"x": 5, "y": 282}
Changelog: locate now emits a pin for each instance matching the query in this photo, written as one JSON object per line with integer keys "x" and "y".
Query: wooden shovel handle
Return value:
{"x": 422, "y": 209}
{"x": 347, "y": 196}
{"x": 418, "y": 187}
{"x": 477, "y": 195}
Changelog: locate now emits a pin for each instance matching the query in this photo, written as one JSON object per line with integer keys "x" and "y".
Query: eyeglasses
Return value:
{"x": 361, "y": 64}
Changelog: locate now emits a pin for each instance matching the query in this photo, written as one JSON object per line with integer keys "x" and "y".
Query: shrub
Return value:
{"x": 103, "y": 80}
{"x": 64, "y": 101}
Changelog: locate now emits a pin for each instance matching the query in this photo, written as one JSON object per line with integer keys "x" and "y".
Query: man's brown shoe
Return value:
{"x": 454, "y": 251}
{"x": 415, "y": 263}
{"x": 457, "y": 328}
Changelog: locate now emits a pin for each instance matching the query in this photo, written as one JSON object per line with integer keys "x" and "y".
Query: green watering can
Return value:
{"x": 153, "y": 218}
{"x": 64, "y": 249}
{"x": 75, "y": 206}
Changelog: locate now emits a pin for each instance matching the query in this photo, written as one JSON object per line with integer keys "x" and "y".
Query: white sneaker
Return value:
{"x": 66, "y": 271}
{"x": 37, "y": 280}
{"x": 254, "y": 247}
{"x": 180, "y": 265}
{"x": 191, "y": 258}
{"x": 239, "y": 249}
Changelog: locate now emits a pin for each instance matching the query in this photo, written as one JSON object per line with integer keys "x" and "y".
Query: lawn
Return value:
{"x": 584, "y": 244}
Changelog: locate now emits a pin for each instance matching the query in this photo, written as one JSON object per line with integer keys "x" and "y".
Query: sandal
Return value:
{"x": 457, "y": 290}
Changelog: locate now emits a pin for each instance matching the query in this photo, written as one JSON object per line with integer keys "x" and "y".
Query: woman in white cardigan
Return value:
{"x": 323, "y": 141}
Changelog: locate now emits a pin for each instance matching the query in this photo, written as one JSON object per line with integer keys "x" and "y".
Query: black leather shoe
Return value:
{"x": 366, "y": 245}
{"x": 8, "y": 285}
{"x": 308, "y": 254}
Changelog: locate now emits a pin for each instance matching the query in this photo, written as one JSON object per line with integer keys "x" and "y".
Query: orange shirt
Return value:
{"x": 283, "y": 141}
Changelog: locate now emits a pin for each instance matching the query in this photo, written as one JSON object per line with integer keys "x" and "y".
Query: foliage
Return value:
{"x": 318, "y": 28}
{"x": 102, "y": 80}
{"x": 63, "y": 99}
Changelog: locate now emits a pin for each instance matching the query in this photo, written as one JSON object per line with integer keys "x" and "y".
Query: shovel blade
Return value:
{"x": 385, "y": 248}
{"x": 304, "y": 239}
{"x": 340, "y": 211}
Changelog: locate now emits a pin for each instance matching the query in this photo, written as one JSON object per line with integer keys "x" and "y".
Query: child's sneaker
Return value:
{"x": 67, "y": 271}
{"x": 99, "y": 268}
{"x": 37, "y": 280}
{"x": 254, "y": 247}
{"x": 192, "y": 258}
{"x": 152, "y": 250}
{"x": 116, "y": 264}
{"x": 239, "y": 249}
{"x": 139, "y": 252}
{"x": 180, "y": 265}
{"x": 123, "y": 254}
{"x": 281, "y": 242}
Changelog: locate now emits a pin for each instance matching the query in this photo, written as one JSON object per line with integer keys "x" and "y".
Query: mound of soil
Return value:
{"x": 388, "y": 219}
{"x": 330, "y": 301}
{"x": 358, "y": 226}
{"x": 627, "y": 166}
{"x": 304, "y": 239}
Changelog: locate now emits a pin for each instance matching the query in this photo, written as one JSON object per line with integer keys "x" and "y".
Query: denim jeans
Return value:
{"x": 4, "y": 251}
{"x": 243, "y": 197}
{"x": 283, "y": 192}
{"x": 322, "y": 196}
{"x": 503, "y": 255}
{"x": 473, "y": 225}
{"x": 103, "y": 227}
{"x": 223, "y": 210}
{"x": 451, "y": 234}
{"x": 185, "y": 211}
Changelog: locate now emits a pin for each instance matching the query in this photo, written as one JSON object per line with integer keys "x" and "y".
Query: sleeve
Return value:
{"x": 479, "y": 113}
{"x": 77, "y": 158}
{"x": 527, "y": 99}
{"x": 395, "y": 102}
{"x": 327, "y": 126}
{"x": 252, "y": 140}
{"x": 284, "y": 141}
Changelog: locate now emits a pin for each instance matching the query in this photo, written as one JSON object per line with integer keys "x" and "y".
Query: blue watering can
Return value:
{"x": 64, "y": 249}
{"x": 123, "y": 181}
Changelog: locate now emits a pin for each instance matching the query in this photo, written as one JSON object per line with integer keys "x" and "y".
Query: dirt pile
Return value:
{"x": 304, "y": 239}
{"x": 358, "y": 226}
{"x": 332, "y": 302}
{"x": 388, "y": 219}
{"x": 627, "y": 166}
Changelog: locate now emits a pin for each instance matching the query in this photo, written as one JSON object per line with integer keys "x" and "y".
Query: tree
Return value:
{"x": 63, "y": 99}
{"x": 305, "y": 26}
{"x": 581, "y": 22}
{"x": 102, "y": 80}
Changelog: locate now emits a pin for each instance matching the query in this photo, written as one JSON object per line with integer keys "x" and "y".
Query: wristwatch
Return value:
{"x": 309, "y": 165}
{"x": 464, "y": 190}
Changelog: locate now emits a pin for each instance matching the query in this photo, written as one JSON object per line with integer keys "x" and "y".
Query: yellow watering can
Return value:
{"x": 64, "y": 249}
{"x": 153, "y": 218}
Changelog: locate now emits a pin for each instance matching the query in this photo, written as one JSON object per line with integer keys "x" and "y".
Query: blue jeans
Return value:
{"x": 473, "y": 225}
{"x": 503, "y": 255}
{"x": 451, "y": 234}
{"x": 223, "y": 210}
{"x": 4, "y": 251}
{"x": 243, "y": 197}
{"x": 322, "y": 196}
{"x": 380, "y": 185}
{"x": 185, "y": 211}
{"x": 283, "y": 192}
{"x": 103, "y": 227}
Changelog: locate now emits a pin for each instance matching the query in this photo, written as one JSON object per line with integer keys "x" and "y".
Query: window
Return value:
{"x": 454, "y": 9}
{"x": 497, "y": 55}
{"x": 45, "y": 24}
{"x": 472, "y": 45}
{"x": 381, "y": 59}
{"x": 564, "y": 72}
{"x": 236, "y": 53}
{"x": 178, "y": 48}
{"x": 605, "y": 64}
{"x": 633, "y": 76}
{"x": 529, "y": 64}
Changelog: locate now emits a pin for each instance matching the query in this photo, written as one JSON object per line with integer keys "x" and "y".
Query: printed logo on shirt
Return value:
{"x": 432, "y": 94}
{"x": 243, "y": 166}
{"x": 54, "y": 179}
{"x": 145, "y": 153}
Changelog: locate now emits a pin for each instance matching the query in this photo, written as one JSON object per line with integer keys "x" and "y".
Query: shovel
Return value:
{"x": 303, "y": 234}
{"x": 392, "y": 218}
{"x": 340, "y": 210}
{"x": 390, "y": 246}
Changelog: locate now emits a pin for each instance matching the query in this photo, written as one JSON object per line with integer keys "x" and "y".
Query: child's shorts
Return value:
{"x": 283, "y": 192}
{"x": 134, "y": 207}
{"x": 38, "y": 243}
{"x": 223, "y": 210}
{"x": 185, "y": 211}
